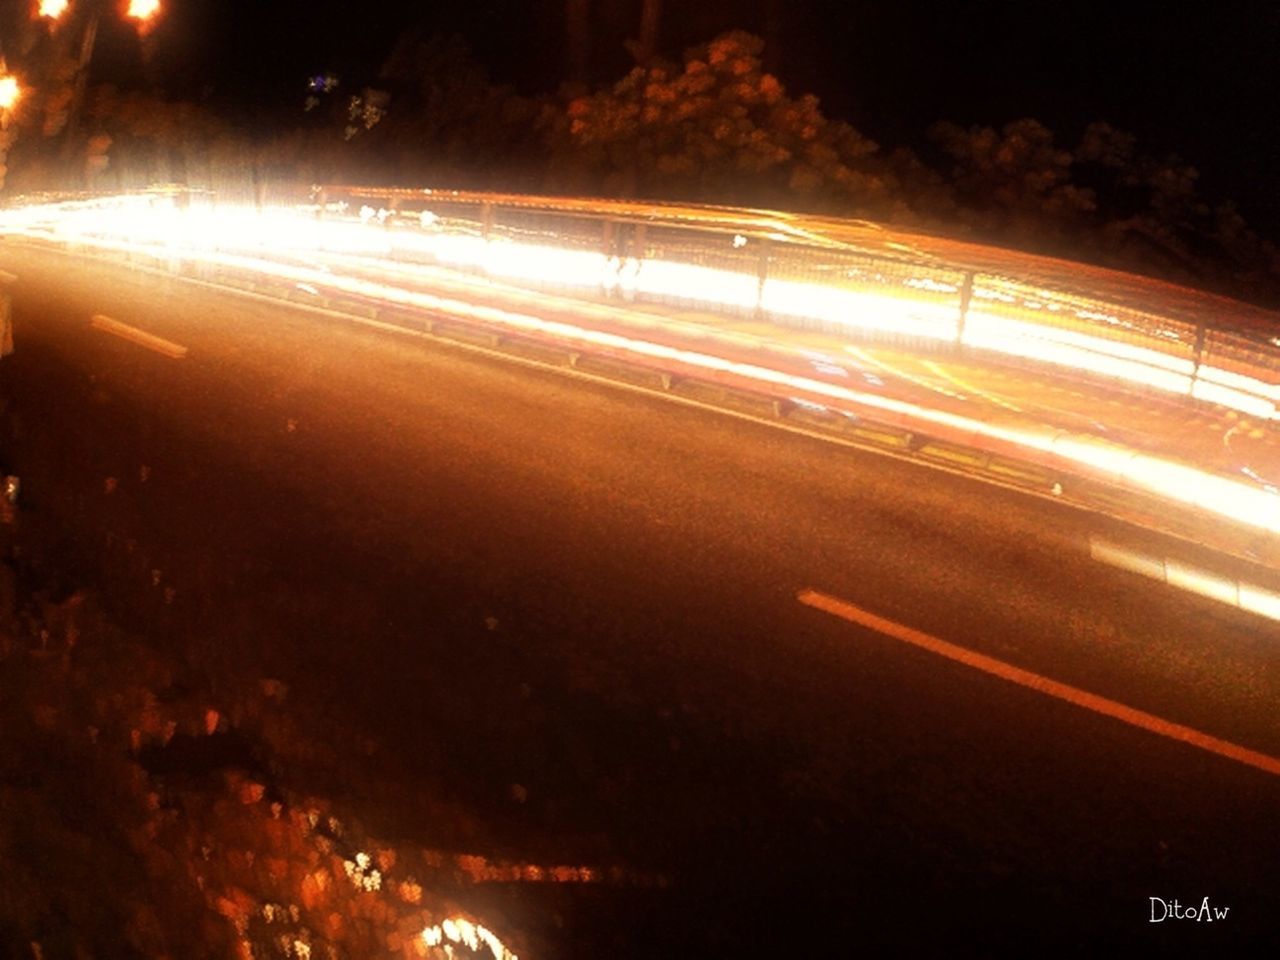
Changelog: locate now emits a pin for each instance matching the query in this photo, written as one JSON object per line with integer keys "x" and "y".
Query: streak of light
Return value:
{"x": 218, "y": 237}
{"x": 893, "y": 313}
{"x": 1073, "y": 348}
{"x": 856, "y": 310}
{"x": 970, "y": 388}
{"x": 902, "y": 374}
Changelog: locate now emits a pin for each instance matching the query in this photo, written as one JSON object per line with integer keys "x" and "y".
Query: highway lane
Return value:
{"x": 502, "y": 575}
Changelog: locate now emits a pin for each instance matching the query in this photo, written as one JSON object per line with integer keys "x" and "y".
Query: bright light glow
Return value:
{"x": 286, "y": 243}
{"x": 892, "y": 313}
{"x": 53, "y": 8}
{"x": 690, "y": 283}
{"x": 463, "y": 931}
{"x": 9, "y": 91}
{"x": 861, "y": 311}
{"x": 1040, "y": 341}
{"x": 143, "y": 9}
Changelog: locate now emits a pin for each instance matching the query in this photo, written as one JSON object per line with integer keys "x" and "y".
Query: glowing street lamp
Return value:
{"x": 9, "y": 92}
{"x": 53, "y": 9}
{"x": 144, "y": 11}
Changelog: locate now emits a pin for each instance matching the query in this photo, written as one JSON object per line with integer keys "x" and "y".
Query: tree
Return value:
{"x": 1015, "y": 182}
{"x": 718, "y": 127}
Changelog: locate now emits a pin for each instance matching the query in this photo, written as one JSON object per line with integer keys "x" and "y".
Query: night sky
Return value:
{"x": 1199, "y": 80}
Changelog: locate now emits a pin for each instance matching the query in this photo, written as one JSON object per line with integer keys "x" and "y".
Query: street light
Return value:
{"x": 53, "y": 9}
{"x": 143, "y": 10}
{"x": 9, "y": 91}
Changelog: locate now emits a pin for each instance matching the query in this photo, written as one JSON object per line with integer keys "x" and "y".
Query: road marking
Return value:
{"x": 902, "y": 374}
{"x": 168, "y": 348}
{"x": 998, "y": 401}
{"x": 1042, "y": 684}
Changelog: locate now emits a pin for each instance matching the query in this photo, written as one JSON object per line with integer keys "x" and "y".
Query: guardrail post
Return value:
{"x": 608, "y": 246}
{"x": 762, "y": 275}
{"x": 966, "y": 295}
{"x": 1200, "y": 338}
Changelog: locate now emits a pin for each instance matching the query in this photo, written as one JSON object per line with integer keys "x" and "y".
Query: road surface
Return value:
{"x": 573, "y": 610}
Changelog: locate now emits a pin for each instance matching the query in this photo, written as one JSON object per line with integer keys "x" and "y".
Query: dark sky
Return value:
{"x": 1196, "y": 79}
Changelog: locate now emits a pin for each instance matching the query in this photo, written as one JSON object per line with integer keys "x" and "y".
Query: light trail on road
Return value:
{"x": 283, "y": 244}
{"x": 918, "y": 307}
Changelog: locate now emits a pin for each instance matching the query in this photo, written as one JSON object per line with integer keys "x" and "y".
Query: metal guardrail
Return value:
{"x": 858, "y": 279}
{"x": 975, "y": 457}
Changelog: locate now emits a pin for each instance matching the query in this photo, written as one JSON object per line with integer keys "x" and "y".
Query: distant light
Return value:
{"x": 322, "y": 83}
{"x": 9, "y": 91}
{"x": 53, "y": 9}
{"x": 739, "y": 240}
{"x": 143, "y": 9}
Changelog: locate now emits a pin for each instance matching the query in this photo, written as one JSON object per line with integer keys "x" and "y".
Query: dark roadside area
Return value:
{"x": 146, "y": 809}
{"x": 149, "y": 808}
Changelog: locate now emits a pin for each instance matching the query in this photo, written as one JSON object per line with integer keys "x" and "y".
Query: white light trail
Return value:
{"x": 859, "y": 311}
{"x": 263, "y": 242}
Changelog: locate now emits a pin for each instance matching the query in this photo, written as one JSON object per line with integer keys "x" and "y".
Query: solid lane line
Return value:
{"x": 1042, "y": 684}
{"x": 168, "y": 348}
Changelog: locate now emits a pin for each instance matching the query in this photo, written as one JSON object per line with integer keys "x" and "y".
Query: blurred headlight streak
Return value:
{"x": 696, "y": 284}
{"x": 855, "y": 310}
{"x": 279, "y": 242}
{"x": 1039, "y": 342}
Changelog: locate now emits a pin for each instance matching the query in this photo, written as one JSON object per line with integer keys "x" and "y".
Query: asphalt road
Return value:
{"x": 500, "y": 575}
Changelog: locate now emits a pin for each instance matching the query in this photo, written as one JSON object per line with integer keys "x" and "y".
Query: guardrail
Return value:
{"x": 852, "y": 279}
{"x": 577, "y": 251}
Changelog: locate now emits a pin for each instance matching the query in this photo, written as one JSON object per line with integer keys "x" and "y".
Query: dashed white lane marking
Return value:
{"x": 168, "y": 348}
{"x": 1041, "y": 684}
{"x": 963, "y": 385}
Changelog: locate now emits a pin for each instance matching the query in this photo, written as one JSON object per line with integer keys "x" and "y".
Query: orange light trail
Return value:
{"x": 283, "y": 243}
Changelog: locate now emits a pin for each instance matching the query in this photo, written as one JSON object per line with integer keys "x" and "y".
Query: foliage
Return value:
{"x": 717, "y": 127}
